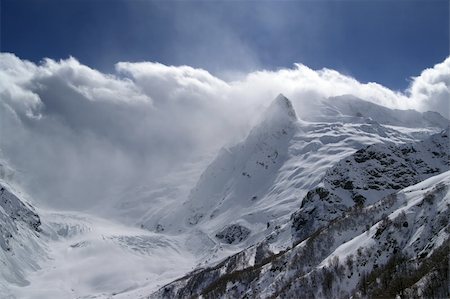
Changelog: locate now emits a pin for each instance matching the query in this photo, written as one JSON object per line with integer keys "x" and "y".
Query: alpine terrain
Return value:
{"x": 334, "y": 198}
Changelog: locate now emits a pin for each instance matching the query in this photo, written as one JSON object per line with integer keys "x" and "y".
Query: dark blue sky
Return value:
{"x": 381, "y": 41}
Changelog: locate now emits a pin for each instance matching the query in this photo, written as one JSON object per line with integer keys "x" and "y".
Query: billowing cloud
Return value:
{"x": 431, "y": 90}
{"x": 15, "y": 74}
{"x": 78, "y": 135}
{"x": 171, "y": 82}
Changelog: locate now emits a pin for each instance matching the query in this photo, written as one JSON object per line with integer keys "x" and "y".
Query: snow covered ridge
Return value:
{"x": 399, "y": 244}
{"x": 348, "y": 108}
{"x": 368, "y": 175}
{"x": 355, "y": 194}
{"x": 16, "y": 212}
{"x": 264, "y": 149}
{"x": 20, "y": 246}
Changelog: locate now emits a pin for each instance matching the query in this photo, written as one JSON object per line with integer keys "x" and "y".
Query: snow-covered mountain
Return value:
{"x": 20, "y": 247}
{"x": 368, "y": 175}
{"x": 338, "y": 177}
{"x": 289, "y": 168}
{"x": 65, "y": 254}
{"x": 351, "y": 249}
{"x": 253, "y": 187}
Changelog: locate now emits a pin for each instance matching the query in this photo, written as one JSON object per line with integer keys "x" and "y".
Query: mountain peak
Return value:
{"x": 281, "y": 109}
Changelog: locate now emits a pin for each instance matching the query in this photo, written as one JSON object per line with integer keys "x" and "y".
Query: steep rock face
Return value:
{"x": 233, "y": 233}
{"x": 20, "y": 227}
{"x": 15, "y": 210}
{"x": 368, "y": 175}
{"x": 353, "y": 256}
{"x": 19, "y": 232}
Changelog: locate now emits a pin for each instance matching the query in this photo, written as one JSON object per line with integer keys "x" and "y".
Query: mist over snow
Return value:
{"x": 76, "y": 135}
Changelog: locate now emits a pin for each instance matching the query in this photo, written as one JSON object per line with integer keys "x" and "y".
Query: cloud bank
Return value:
{"x": 431, "y": 90}
{"x": 78, "y": 135}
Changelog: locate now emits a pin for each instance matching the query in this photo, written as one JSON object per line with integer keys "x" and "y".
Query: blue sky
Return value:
{"x": 382, "y": 41}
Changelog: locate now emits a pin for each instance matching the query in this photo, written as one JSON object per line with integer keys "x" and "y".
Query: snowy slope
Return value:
{"x": 417, "y": 225}
{"x": 336, "y": 260}
{"x": 368, "y": 175}
{"x": 348, "y": 108}
{"x": 250, "y": 189}
{"x": 21, "y": 249}
{"x": 92, "y": 256}
{"x": 62, "y": 254}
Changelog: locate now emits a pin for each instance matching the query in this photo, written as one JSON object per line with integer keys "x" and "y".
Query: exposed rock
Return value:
{"x": 13, "y": 213}
{"x": 233, "y": 234}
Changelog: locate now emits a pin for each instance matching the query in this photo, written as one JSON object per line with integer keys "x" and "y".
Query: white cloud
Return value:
{"x": 431, "y": 90}
{"x": 15, "y": 74}
{"x": 92, "y": 84}
{"x": 82, "y": 134}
